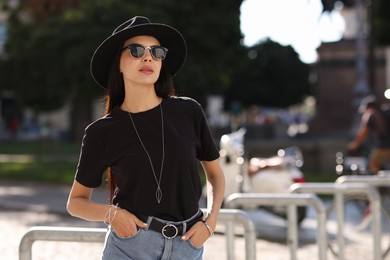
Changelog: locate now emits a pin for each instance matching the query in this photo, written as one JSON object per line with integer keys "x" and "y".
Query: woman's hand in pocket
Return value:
{"x": 126, "y": 224}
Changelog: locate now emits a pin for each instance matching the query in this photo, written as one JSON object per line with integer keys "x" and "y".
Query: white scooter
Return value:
{"x": 260, "y": 175}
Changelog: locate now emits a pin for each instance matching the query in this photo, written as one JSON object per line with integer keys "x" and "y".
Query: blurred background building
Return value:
{"x": 348, "y": 70}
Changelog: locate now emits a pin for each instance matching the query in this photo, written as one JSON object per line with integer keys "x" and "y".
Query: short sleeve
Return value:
{"x": 208, "y": 151}
{"x": 92, "y": 164}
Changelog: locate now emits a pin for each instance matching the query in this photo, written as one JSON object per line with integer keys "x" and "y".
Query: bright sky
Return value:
{"x": 298, "y": 23}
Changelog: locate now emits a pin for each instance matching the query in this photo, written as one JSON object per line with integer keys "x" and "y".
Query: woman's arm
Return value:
{"x": 80, "y": 205}
{"x": 200, "y": 232}
{"x": 216, "y": 178}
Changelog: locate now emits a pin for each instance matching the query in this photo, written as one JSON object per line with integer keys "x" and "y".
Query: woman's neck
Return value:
{"x": 140, "y": 99}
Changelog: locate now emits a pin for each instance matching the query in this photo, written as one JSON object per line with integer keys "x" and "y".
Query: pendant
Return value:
{"x": 158, "y": 194}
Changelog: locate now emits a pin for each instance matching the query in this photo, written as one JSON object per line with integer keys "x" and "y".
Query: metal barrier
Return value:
{"x": 230, "y": 216}
{"x": 291, "y": 201}
{"x": 66, "y": 234}
{"x": 339, "y": 190}
{"x": 375, "y": 180}
{"x": 73, "y": 234}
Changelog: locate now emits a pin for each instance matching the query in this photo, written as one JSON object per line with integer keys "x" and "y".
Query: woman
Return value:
{"x": 149, "y": 143}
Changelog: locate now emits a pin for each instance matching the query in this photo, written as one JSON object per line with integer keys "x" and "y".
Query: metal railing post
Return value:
{"x": 69, "y": 234}
{"x": 340, "y": 189}
{"x": 339, "y": 200}
{"x": 230, "y": 216}
{"x": 292, "y": 230}
{"x": 287, "y": 199}
{"x": 230, "y": 241}
{"x": 380, "y": 180}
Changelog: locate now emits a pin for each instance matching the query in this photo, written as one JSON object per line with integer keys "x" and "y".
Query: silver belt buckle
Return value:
{"x": 164, "y": 229}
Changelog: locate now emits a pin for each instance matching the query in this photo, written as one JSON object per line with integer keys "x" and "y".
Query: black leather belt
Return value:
{"x": 170, "y": 230}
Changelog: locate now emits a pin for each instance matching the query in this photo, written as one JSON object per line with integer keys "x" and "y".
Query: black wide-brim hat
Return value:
{"x": 168, "y": 37}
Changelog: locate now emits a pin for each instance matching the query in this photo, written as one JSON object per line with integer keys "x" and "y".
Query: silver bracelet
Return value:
{"x": 110, "y": 216}
{"x": 209, "y": 228}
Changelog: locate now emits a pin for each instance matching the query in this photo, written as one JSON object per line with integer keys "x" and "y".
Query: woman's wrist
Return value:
{"x": 110, "y": 214}
{"x": 211, "y": 231}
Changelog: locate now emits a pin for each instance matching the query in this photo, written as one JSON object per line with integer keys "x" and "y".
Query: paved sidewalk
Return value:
{"x": 38, "y": 197}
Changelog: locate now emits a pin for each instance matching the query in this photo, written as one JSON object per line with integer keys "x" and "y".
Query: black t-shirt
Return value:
{"x": 112, "y": 142}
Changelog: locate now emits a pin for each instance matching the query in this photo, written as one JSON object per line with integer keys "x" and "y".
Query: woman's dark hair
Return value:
{"x": 115, "y": 96}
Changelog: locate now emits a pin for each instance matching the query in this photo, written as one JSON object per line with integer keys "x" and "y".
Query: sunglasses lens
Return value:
{"x": 137, "y": 51}
{"x": 159, "y": 53}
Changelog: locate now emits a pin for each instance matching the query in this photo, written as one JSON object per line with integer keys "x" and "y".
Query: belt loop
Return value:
{"x": 148, "y": 221}
{"x": 184, "y": 228}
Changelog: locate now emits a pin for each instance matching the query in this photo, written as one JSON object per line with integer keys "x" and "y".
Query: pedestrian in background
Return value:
{"x": 374, "y": 122}
{"x": 149, "y": 143}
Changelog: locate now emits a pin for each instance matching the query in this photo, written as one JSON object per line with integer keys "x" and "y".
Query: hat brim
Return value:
{"x": 168, "y": 37}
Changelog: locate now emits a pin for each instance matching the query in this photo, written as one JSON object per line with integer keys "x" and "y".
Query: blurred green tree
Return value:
{"x": 32, "y": 68}
{"x": 381, "y": 22}
{"x": 274, "y": 76}
{"x": 48, "y": 54}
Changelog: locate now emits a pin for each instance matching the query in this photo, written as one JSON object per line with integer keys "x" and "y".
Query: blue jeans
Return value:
{"x": 149, "y": 245}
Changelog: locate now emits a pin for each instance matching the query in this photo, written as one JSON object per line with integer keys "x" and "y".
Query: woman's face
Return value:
{"x": 144, "y": 70}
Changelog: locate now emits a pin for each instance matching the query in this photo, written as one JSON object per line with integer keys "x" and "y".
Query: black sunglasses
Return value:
{"x": 138, "y": 51}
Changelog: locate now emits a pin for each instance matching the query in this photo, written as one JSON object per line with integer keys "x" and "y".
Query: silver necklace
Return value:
{"x": 158, "y": 180}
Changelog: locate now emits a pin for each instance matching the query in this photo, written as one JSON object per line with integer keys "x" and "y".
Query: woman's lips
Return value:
{"x": 146, "y": 69}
